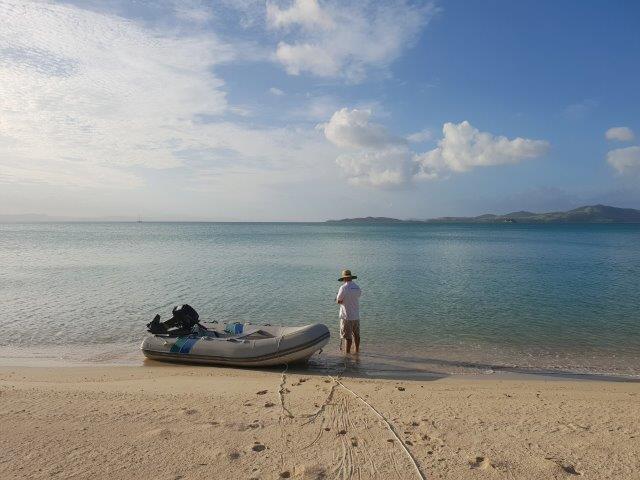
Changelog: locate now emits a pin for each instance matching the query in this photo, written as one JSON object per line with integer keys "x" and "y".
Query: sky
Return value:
{"x": 306, "y": 110}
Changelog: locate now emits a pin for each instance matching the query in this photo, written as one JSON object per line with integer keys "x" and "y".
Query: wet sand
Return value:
{"x": 170, "y": 422}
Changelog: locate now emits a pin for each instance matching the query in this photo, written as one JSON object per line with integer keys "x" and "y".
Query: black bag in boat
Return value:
{"x": 183, "y": 320}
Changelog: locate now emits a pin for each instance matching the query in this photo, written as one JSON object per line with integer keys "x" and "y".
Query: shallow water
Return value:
{"x": 437, "y": 298}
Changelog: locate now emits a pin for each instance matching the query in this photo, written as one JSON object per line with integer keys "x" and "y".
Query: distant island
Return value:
{"x": 587, "y": 214}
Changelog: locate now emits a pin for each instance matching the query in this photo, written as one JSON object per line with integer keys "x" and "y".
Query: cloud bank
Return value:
{"x": 94, "y": 99}
{"x": 81, "y": 87}
{"x": 377, "y": 158}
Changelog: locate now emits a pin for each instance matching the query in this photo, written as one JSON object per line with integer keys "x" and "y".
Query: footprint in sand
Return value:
{"x": 285, "y": 474}
{"x": 262, "y": 392}
{"x": 190, "y": 411}
{"x": 269, "y": 405}
{"x": 401, "y": 389}
{"x": 570, "y": 469}
{"x": 354, "y": 442}
{"x": 481, "y": 462}
{"x": 258, "y": 448}
{"x": 234, "y": 455}
{"x": 342, "y": 432}
{"x": 567, "y": 467}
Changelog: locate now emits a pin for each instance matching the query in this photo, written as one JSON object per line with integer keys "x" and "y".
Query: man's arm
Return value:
{"x": 340, "y": 297}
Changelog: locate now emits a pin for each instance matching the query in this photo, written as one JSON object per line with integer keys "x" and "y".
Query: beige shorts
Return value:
{"x": 349, "y": 329}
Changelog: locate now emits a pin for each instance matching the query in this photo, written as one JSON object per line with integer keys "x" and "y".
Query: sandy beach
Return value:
{"x": 173, "y": 422}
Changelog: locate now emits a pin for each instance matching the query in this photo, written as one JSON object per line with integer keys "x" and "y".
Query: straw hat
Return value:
{"x": 346, "y": 274}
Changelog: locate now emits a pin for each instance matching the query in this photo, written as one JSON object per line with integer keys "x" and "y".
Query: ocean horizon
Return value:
{"x": 438, "y": 299}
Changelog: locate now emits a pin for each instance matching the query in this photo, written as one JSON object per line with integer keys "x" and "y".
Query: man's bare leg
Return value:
{"x": 357, "y": 342}
{"x": 348, "y": 345}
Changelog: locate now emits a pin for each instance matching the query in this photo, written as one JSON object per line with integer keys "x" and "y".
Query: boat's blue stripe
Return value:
{"x": 177, "y": 345}
{"x": 188, "y": 345}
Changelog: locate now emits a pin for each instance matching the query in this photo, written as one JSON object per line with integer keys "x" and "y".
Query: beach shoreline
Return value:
{"x": 172, "y": 421}
{"x": 366, "y": 365}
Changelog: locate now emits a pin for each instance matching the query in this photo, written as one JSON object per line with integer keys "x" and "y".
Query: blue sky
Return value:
{"x": 308, "y": 110}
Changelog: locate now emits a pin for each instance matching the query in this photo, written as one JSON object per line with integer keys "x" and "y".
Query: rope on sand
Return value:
{"x": 337, "y": 381}
{"x": 281, "y": 391}
{"x": 389, "y": 426}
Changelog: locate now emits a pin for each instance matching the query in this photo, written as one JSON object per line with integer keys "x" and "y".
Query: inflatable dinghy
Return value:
{"x": 233, "y": 344}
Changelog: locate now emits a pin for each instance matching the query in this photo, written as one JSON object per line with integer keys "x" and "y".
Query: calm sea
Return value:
{"x": 437, "y": 298}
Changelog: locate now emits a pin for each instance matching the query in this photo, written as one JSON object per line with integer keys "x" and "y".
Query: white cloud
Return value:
{"x": 345, "y": 39}
{"x": 464, "y": 147}
{"x": 622, "y": 134}
{"x": 352, "y": 129}
{"x": 307, "y": 57}
{"x": 380, "y": 159}
{"x": 387, "y": 168}
{"x": 276, "y": 91}
{"x": 306, "y": 13}
{"x": 625, "y": 160}
{"x": 377, "y": 158}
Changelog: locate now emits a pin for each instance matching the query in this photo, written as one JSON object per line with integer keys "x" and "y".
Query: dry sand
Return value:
{"x": 170, "y": 422}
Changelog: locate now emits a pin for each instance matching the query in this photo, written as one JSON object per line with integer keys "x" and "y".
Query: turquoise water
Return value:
{"x": 446, "y": 298}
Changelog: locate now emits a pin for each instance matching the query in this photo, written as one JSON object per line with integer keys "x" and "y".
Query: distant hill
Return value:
{"x": 587, "y": 214}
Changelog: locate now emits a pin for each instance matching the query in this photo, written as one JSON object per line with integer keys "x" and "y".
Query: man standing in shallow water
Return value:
{"x": 349, "y": 300}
